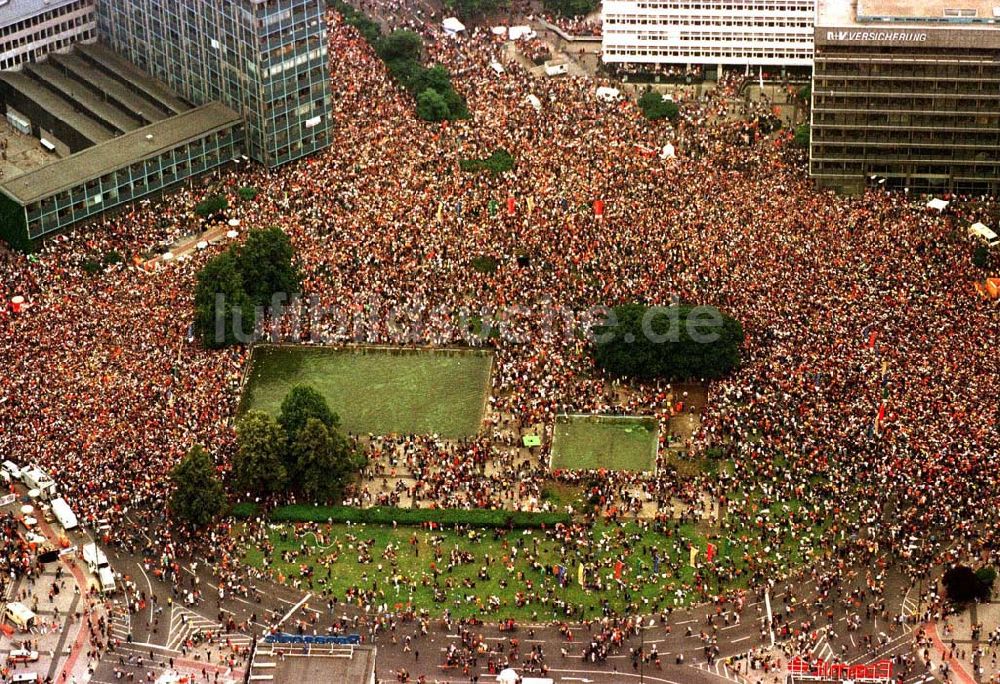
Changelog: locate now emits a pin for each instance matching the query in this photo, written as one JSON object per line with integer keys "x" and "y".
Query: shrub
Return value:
{"x": 654, "y": 107}
{"x": 245, "y": 510}
{"x": 981, "y": 257}
{"x": 90, "y": 267}
{"x": 431, "y": 106}
{"x": 805, "y": 93}
{"x": 499, "y": 162}
{"x": 417, "y": 516}
{"x": 247, "y": 193}
{"x": 112, "y": 258}
{"x": 802, "y": 136}
{"x": 484, "y": 264}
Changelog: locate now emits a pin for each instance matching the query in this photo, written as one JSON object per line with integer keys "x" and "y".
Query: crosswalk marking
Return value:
{"x": 185, "y": 623}
{"x": 719, "y": 669}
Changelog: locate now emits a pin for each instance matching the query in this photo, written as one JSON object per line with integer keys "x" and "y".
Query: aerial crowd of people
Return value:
{"x": 868, "y": 387}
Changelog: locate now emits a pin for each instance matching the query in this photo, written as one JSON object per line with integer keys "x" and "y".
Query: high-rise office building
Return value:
{"x": 266, "y": 59}
{"x": 31, "y": 29}
{"x": 765, "y": 33}
{"x": 906, "y": 94}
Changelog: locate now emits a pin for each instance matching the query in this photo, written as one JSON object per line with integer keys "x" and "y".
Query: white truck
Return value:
{"x": 64, "y": 514}
{"x": 98, "y": 564}
{"x": 34, "y": 477}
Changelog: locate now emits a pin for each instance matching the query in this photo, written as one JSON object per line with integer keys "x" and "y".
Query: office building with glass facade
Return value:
{"x": 119, "y": 170}
{"x": 265, "y": 59}
{"x": 906, "y": 94}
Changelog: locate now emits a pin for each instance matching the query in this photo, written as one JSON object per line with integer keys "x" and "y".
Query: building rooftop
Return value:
{"x": 124, "y": 150}
{"x": 294, "y": 664}
{"x": 934, "y": 10}
{"x": 964, "y": 14}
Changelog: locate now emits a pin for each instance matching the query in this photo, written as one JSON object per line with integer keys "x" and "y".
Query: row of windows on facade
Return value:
{"x": 896, "y": 123}
{"x": 672, "y": 22}
{"x": 730, "y": 5}
{"x": 38, "y": 19}
{"x": 712, "y": 37}
{"x": 979, "y": 140}
{"x": 39, "y": 51}
{"x": 708, "y": 52}
{"x": 177, "y": 162}
{"x": 905, "y": 167}
{"x": 907, "y": 101}
{"x": 940, "y": 87}
{"x": 869, "y": 68}
{"x": 44, "y": 31}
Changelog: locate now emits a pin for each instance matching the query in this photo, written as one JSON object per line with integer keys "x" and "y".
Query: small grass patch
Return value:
{"x": 609, "y": 442}
{"x": 378, "y": 391}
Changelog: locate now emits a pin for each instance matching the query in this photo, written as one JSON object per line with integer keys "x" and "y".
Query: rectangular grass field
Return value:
{"x": 610, "y": 442}
{"x": 378, "y": 391}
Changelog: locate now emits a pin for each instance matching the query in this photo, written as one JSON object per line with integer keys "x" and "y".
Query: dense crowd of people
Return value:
{"x": 867, "y": 392}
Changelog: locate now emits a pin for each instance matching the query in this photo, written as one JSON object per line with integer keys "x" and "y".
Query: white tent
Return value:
{"x": 534, "y": 102}
{"x": 937, "y": 203}
{"x": 497, "y": 67}
{"x": 452, "y": 26}
{"x": 609, "y": 94}
{"x": 507, "y": 676}
{"x": 515, "y": 32}
{"x": 668, "y": 152}
{"x": 499, "y": 30}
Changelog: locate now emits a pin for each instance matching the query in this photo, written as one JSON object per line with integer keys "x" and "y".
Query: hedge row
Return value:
{"x": 407, "y": 516}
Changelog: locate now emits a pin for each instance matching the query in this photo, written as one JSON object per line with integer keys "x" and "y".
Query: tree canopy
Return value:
{"x": 198, "y": 495}
{"x": 224, "y": 313}
{"x": 654, "y": 107}
{"x": 300, "y": 404}
{"x": 259, "y": 466}
{"x": 325, "y": 461}
{"x": 231, "y": 286}
{"x": 571, "y": 8}
{"x": 802, "y": 136}
{"x": 963, "y": 584}
{"x": 266, "y": 263}
{"x": 675, "y": 343}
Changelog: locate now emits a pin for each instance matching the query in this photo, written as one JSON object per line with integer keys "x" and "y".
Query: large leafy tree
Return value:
{"x": 224, "y": 313}
{"x": 266, "y": 263}
{"x": 299, "y": 405}
{"x": 676, "y": 343}
{"x": 260, "y": 466}
{"x": 198, "y": 495}
{"x": 325, "y": 461}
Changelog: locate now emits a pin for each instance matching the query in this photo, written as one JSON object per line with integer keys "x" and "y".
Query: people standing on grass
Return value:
{"x": 865, "y": 402}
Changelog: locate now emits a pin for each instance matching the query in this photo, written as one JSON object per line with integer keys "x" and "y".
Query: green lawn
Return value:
{"x": 588, "y": 443}
{"x": 524, "y": 584}
{"x": 378, "y": 391}
{"x": 406, "y": 577}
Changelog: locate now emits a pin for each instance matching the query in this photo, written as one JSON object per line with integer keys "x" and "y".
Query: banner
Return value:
{"x": 694, "y": 553}
{"x": 284, "y": 638}
{"x": 8, "y": 499}
{"x": 579, "y": 574}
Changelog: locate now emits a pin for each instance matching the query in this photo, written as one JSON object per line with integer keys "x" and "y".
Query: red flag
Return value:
{"x": 710, "y": 552}
{"x": 871, "y": 339}
{"x": 599, "y": 207}
{"x": 619, "y": 566}
{"x": 510, "y": 205}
